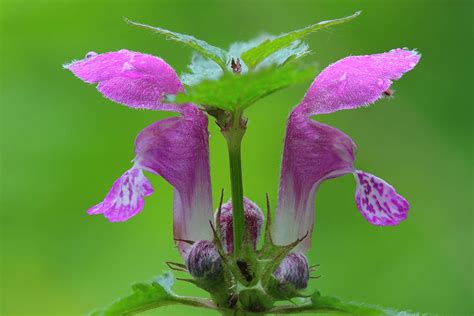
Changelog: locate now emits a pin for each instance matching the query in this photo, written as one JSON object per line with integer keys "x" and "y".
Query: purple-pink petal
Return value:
{"x": 313, "y": 152}
{"x": 177, "y": 149}
{"x": 133, "y": 79}
{"x": 357, "y": 81}
{"x": 378, "y": 201}
{"x": 125, "y": 198}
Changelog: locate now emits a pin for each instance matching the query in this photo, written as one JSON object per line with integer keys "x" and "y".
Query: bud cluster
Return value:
{"x": 257, "y": 278}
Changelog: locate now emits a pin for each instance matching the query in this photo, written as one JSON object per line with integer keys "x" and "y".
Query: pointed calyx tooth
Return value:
{"x": 293, "y": 270}
{"x": 203, "y": 261}
{"x": 253, "y": 223}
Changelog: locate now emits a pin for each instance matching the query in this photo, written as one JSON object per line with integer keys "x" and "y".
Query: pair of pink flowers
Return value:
{"x": 177, "y": 148}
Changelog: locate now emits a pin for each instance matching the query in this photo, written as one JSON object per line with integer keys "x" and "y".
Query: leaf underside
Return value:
{"x": 200, "y": 69}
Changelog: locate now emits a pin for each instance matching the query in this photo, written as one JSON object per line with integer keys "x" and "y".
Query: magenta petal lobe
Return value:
{"x": 133, "y": 79}
{"x": 125, "y": 198}
{"x": 378, "y": 201}
{"x": 357, "y": 81}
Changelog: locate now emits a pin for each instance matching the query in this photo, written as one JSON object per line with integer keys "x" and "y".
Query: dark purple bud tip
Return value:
{"x": 203, "y": 261}
{"x": 293, "y": 270}
{"x": 253, "y": 223}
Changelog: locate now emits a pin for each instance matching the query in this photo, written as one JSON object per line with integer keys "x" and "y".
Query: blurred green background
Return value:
{"x": 63, "y": 145}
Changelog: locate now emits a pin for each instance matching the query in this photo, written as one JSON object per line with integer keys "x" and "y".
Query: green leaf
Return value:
{"x": 152, "y": 295}
{"x": 329, "y": 304}
{"x": 295, "y": 50}
{"x": 214, "y": 53}
{"x": 233, "y": 92}
{"x": 144, "y": 296}
{"x": 237, "y": 48}
{"x": 201, "y": 68}
{"x": 254, "y": 56}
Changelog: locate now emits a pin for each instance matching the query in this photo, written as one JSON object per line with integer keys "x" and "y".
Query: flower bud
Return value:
{"x": 253, "y": 223}
{"x": 293, "y": 270}
{"x": 203, "y": 261}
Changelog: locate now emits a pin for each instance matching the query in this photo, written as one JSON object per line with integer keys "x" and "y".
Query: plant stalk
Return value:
{"x": 234, "y": 135}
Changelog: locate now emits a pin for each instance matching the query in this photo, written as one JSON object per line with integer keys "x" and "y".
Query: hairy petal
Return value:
{"x": 133, "y": 79}
{"x": 378, "y": 201}
{"x": 125, "y": 198}
{"x": 313, "y": 152}
{"x": 357, "y": 81}
{"x": 177, "y": 149}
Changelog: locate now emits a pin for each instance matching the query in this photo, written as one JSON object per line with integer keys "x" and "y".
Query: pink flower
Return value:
{"x": 314, "y": 152}
{"x": 175, "y": 148}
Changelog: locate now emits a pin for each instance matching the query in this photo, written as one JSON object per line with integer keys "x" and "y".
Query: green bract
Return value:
{"x": 232, "y": 92}
{"x": 255, "y": 55}
{"x": 212, "y": 52}
{"x": 266, "y": 66}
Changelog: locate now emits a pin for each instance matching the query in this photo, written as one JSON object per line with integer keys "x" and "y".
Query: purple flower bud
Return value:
{"x": 253, "y": 223}
{"x": 294, "y": 270}
{"x": 203, "y": 261}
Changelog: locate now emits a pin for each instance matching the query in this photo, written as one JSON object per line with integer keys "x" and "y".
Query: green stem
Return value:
{"x": 237, "y": 196}
{"x": 234, "y": 135}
